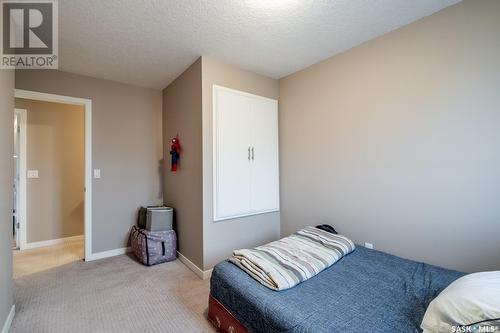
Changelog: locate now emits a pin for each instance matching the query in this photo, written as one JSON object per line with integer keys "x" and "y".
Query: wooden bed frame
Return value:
{"x": 222, "y": 319}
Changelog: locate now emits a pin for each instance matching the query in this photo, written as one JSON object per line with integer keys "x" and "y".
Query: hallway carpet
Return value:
{"x": 112, "y": 295}
{"x": 28, "y": 262}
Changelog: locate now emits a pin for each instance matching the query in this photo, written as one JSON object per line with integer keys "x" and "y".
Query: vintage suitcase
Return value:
{"x": 153, "y": 247}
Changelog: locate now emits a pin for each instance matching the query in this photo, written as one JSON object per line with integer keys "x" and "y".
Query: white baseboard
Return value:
{"x": 198, "y": 271}
{"x": 35, "y": 245}
{"x": 9, "y": 319}
{"x": 110, "y": 253}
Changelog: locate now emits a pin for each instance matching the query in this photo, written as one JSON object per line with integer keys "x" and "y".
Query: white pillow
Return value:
{"x": 471, "y": 299}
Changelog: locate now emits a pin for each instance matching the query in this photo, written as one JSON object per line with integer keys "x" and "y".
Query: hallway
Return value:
{"x": 28, "y": 262}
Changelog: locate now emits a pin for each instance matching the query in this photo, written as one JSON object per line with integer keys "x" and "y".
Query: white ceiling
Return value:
{"x": 150, "y": 42}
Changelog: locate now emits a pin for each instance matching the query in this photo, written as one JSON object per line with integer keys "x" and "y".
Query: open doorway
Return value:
{"x": 52, "y": 206}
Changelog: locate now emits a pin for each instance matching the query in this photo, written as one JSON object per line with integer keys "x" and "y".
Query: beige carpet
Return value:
{"x": 112, "y": 295}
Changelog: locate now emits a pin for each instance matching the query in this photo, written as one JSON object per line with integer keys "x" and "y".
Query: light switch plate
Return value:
{"x": 32, "y": 174}
{"x": 97, "y": 173}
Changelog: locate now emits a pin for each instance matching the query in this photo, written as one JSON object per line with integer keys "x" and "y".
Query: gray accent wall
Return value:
{"x": 183, "y": 189}
{"x": 187, "y": 110}
{"x": 397, "y": 142}
{"x": 126, "y": 147}
{"x": 55, "y": 147}
{"x": 6, "y": 190}
{"x": 222, "y": 237}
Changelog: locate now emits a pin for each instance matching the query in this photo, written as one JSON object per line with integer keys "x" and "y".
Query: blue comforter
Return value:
{"x": 366, "y": 291}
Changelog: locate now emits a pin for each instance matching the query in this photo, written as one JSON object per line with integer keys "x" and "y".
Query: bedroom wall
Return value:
{"x": 396, "y": 142}
{"x": 126, "y": 146}
{"x": 222, "y": 237}
{"x": 183, "y": 189}
{"x": 6, "y": 192}
{"x": 55, "y": 147}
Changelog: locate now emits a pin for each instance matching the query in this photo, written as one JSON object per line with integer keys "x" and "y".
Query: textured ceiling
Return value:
{"x": 149, "y": 43}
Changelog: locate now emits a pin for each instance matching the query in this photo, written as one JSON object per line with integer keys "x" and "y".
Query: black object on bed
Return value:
{"x": 327, "y": 228}
{"x": 366, "y": 291}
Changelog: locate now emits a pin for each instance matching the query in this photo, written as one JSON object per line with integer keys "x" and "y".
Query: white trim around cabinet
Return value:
{"x": 216, "y": 161}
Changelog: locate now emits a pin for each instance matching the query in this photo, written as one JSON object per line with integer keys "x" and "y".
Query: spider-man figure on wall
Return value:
{"x": 175, "y": 151}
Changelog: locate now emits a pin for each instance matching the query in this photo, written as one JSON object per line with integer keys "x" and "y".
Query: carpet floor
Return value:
{"x": 111, "y": 295}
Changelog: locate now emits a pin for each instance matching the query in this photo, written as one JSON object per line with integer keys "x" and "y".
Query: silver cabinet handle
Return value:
{"x": 249, "y": 153}
{"x": 253, "y": 153}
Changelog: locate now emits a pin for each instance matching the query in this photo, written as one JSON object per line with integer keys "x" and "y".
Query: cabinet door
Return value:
{"x": 232, "y": 161}
{"x": 265, "y": 174}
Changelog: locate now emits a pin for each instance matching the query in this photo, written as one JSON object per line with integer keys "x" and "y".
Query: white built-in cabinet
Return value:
{"x": 246, "y": 167}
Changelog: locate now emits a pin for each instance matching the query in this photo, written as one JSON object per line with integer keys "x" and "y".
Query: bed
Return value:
{"x": 366, "y": 291}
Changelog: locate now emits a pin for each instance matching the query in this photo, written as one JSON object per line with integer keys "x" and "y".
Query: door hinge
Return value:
{"x": 18, "y": 225}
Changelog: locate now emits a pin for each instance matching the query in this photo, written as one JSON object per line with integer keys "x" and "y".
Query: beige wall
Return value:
{"x": 126, "y": 146}
{"x": 183, "y": 189}
{"x": 55, "y": 147}
{"x": 396, "y": 142}
{"x": 6, "y": 190}
{"x": 222, "y": 237}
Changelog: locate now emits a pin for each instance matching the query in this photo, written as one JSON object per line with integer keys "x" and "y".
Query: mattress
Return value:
{"x": 366, "y": 291}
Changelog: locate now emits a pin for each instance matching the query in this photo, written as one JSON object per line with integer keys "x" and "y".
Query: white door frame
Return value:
{"x": 21, "y": 189}
{"x": 87, "y": 104}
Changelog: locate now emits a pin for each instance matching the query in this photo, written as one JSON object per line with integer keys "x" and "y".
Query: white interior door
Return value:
{"x": 16, "y": 208}
{"x": 232, "y": 155}
{"x": 20, "y": 177}
{"x": 265, "y": 174}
